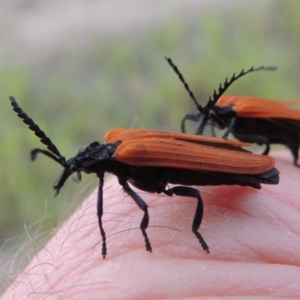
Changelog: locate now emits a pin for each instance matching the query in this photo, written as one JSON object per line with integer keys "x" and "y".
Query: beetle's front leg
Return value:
{"x": 100, "y": 213}
{"x": 143, "y": 206}
{"x": 229, "y": 128}
{"x": 190, "y": 117}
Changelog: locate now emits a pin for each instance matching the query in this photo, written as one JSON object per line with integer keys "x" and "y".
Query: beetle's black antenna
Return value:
{"x": 180, "y": 76}
{"x": 217, "y": 94}
{"x": 222, "y": 88}
{"x": 55, "y": 155}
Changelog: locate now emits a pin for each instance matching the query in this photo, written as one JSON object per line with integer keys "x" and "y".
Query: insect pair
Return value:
{"x": 249, "y": 119}
{"x": 151, "y": 159}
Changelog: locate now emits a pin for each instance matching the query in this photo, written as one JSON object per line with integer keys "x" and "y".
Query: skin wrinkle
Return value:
{"x": 254, "y": 248}
{"x": 292, "y": 224}
{"x": 264, "y": 211}
{"x": 263, "y": 240}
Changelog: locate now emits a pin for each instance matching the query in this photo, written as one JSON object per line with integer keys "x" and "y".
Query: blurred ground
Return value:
{"x": 79, "y": 68}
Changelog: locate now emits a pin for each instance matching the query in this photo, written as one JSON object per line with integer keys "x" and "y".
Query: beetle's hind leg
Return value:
{"x": 296, "y": 156}
{"x": 191, "y": 192}
{"x": 294, "y": 149}
{"x": 267, "y": 149}
{"x": 254, "y": 138}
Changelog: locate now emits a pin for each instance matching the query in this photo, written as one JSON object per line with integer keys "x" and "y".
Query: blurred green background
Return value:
{"x": 79, "y": 68}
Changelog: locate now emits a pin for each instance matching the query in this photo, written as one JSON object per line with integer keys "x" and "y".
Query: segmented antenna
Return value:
{"x": 180, "y": 76}
{"x": 39, "y": 133}
{"x": 217, "y": 94}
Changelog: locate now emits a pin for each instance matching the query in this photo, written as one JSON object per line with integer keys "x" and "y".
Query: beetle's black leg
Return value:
{"x": 229, "y": 128}
{"x": 254, "y": 138}
{"x": 267, "y": 150}
{"x": 212, "y": 127}
{"x": 191, "y": 192}
{"x": 190, "y": 117}
{"x": 296, "y": 163}
{"x": 143, "y": 206}
{"x": 34, "y": 153}
{"x": 294, "y": 147}
{"x": 100, "y": 213}
{"x": 202, "y": 123}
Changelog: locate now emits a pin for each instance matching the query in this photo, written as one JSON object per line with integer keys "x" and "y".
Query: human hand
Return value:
{"x": 253, "y": 235}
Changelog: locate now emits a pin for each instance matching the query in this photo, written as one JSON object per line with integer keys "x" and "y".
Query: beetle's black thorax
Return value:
{"x": 221, "y": 115}
{"x": 96, "y": 157}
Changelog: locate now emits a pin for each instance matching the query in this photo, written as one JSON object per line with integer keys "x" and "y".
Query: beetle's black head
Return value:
{"x": 96, "y": 158}
{"x": 216, "y": 115}
{"x": 221, "y": 115}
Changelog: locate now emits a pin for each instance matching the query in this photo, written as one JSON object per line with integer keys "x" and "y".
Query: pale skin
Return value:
{"x": 253, "y": 235}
